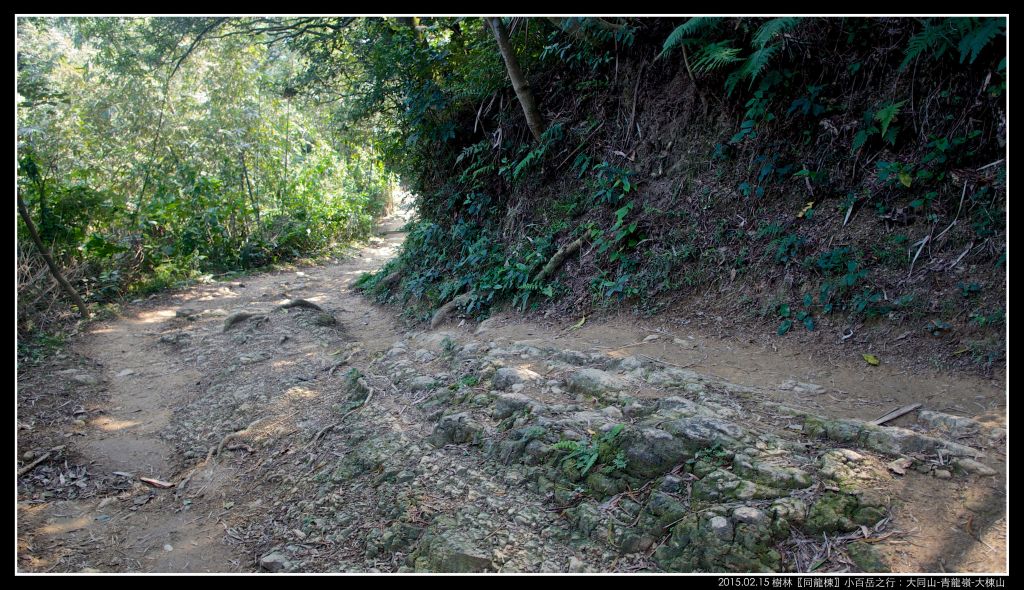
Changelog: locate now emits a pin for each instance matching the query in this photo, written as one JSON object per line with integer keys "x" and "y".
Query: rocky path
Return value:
{"x": 284, "y": 423}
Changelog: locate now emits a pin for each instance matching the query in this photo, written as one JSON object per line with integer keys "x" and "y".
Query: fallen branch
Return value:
{"x": 156, "y": 483}
{"x": 895, "y": 414}
{"x": 48, "y": 258}
{"x": 36, "y": 463}
{"x": 557, "y": 259}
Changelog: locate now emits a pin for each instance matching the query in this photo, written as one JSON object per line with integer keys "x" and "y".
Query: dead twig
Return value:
{"x": 44, "y": 457}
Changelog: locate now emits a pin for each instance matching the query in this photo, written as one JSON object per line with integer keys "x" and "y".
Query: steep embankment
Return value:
{"x": 838, "y": 182}
{"x": 327, "y": 437}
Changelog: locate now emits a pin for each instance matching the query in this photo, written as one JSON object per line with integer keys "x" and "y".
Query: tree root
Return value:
{"x": 239, "y": 317}
{"x": 320, "y": 433}
{"x": 216, "y": 450}
{"x": 299, "y": 303}
{"x": 445, "y": 310}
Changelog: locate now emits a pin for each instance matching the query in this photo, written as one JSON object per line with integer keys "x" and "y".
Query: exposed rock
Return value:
{"x": 769, "y": 474}
{"x": 612, "y": 412}
{"x": 650, "y": 452}
{"x": 867, "y": 558}
{"x": 749, "y": 515}
{"x": 506, "y": 404}
{"x": 721, "y": 528}
{"x": 85, "y": 379}
{"x": 456, "y": 428}
{"x": 595, "y": 382}
{"x": 275, "y": 562}
{"x": 802, "y": 388}
{"x": 698, "y": 432}
{"x": 721, "y": 485}
{"x": 506, "y": 377}
{"x": 422, "y": 383}
{"x": 972, "y": 466}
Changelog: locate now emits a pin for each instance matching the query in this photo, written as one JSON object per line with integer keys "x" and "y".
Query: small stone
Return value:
{"x": 595, "y": 382}
{"x": 85, "y": 379}
{"x": 507, "y": 377}
{"x": 972, "y": 466}
{"x": 576, "y": 566}
{"x": 168, "y": 547}
{"x": 942, "y": 474}
{"x": 749, "y": 515}
{"x": 721, "y": 527}
{"x": 612, "y": 412}
{"x": 672, "y": 484}
{"x": 29, "y": 455}
{"x": 78, "y": 422}
{"x": 274, "y": 562}
{"x": 421, "y": 383}
{"x": 651, "y": 338}
{"x": 900, "y": 466}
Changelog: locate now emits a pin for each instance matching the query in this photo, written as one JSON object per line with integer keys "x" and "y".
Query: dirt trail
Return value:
{"x": 260, "y": 428}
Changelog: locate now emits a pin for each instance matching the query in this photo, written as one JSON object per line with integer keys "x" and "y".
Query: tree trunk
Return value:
{"x": 519, "y": 83}
{"x": 68, "y": 289}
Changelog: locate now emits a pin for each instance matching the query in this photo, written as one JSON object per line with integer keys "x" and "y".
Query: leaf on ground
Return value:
{"x": 871, "y": 359}
{"x": 806, "y": 208}
{"x": 579, "y": 324}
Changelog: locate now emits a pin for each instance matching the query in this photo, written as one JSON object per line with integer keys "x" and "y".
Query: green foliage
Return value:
{"x": 789, "y": 317}
{"x": 712, "y": 55}
{"x": 945, "y": 36}
{"x": 599, "y": 450}
{"x": 152, "y": 170}
{"x": 884, "y": 116}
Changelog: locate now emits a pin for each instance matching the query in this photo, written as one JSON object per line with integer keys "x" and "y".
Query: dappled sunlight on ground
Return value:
{"x": 63, "y": 527}
{"x": 112, "y": 425}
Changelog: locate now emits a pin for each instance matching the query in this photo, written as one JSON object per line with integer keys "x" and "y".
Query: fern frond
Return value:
{"x": 758, "y": 61}
{"x": 931, "y": 36}
{"x": 688, "y": 29}
{"x": 714, "y": 56}
{"x": 887, "y": 114}
{"x": 978, "y": 37}
{"x": 772, "y": 28}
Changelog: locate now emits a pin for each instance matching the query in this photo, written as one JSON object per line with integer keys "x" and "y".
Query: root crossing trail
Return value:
{"x": 227, "y": 428}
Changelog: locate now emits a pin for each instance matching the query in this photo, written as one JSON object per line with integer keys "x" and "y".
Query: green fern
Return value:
{"x": 715, "y": 56}
{"x": 886, "y": 114}
{"x": 969, "y": 35}
{"x": 772, "y": 28}
{"x": 752, "y": 67}
{"x": 688, "y": 30}
{"x": 932, "y": 37}
{"x": 979, "y": 36}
